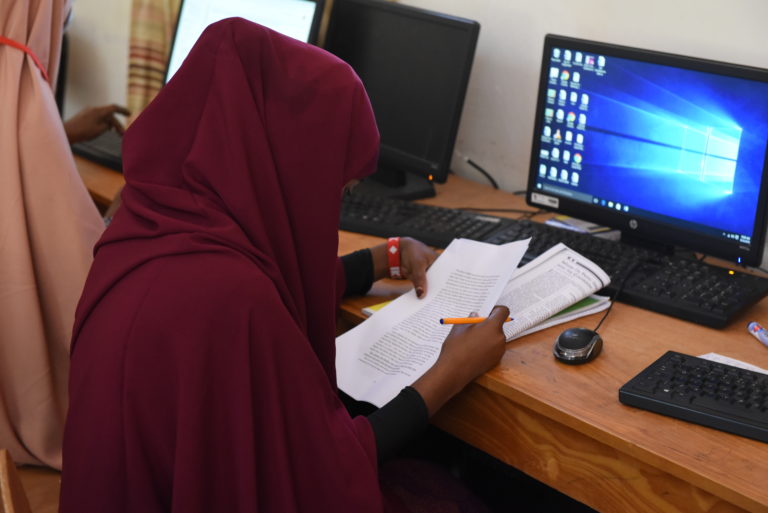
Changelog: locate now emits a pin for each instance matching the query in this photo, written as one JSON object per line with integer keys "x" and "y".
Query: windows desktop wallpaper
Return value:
{"x": 681, "y": 143}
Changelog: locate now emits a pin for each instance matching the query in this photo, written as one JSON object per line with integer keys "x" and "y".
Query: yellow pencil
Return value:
{"x": 466, "y": 320}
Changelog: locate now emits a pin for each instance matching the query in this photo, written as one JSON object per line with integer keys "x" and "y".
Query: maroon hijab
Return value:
{"x": 203, "y": 351}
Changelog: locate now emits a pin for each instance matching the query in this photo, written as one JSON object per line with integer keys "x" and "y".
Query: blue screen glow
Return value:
{"x": 675, "y": 145}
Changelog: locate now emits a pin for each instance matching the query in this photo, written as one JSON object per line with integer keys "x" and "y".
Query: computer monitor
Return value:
{"x": 669, "y": 149}
{"x": 299, "y": 19}
{"x": 415, "y": 65}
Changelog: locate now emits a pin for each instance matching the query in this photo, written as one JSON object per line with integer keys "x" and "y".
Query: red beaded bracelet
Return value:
{"x": 393, "y": 257}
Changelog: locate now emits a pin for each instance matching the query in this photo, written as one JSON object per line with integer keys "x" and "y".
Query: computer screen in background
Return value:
{"x": 299, "y": 19}
{"x": 666, "y": 148}
{"x": 415, "y": 65}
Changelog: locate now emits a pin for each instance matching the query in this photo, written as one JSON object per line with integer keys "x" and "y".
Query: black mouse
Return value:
{"x": 577, "y": 345}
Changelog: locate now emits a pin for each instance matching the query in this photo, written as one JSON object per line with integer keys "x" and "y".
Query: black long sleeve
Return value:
{"x": 405, "y": 416}
{"x": 398, "y": 421}
{"x": 358, "y": 270}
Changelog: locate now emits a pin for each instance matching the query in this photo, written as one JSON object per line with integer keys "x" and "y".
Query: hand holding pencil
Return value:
{"x": 467, "y": 320}
{"x": 468, "y": 351}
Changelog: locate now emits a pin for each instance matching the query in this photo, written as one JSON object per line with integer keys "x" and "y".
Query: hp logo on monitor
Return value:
{"x": 633, "y": 224}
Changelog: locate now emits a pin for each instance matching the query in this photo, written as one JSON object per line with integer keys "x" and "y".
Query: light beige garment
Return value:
{"x": 48, "y": 226}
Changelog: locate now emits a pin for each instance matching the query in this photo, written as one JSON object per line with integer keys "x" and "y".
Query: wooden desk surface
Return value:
{"x": 103, "y": 183}
{"x": 564, "y": 425}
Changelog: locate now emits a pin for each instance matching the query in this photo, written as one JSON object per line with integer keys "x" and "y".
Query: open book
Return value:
{"x": 393, "y": 348}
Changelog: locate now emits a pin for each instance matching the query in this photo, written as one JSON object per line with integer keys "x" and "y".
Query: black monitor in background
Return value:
{"x": 415, "y": 65}
{"x": 669, "y": 149}
{"x": 299, "y": 19}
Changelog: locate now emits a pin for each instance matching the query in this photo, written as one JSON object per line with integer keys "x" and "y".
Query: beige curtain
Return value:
{"x": 152, "y": 26}
{"x": 48, "y": 225}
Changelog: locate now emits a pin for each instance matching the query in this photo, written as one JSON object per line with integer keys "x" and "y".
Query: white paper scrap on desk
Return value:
{"x": 717, "y": 357}
{"x": 393, "y": 348}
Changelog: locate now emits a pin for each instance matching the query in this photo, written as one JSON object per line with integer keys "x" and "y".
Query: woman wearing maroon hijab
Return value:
{"x": 203, "y": 350}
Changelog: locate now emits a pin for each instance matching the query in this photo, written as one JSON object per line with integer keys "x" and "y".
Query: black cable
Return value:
{"x": 631, "y": 270}
{"x": 483, "y": 171}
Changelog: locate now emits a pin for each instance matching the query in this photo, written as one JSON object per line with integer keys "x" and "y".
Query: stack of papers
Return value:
{"x": 393, "y": 348}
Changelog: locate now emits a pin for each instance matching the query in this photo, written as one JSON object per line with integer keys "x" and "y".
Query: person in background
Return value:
{"x": 48, "y": 230}
{"x": 203, "y": 355}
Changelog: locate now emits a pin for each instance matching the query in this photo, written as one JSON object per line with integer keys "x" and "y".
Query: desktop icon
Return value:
{"x": 556, "y": 53}
{"x": 626, "y": 208}
{"x": 567, "y": 55}
{"x": 554, "y": 72}
{"x": 577, "y": 158}
{"x": 571, "y": 117}
{"x": 595, "y": 200}
{"x": 559, "y": 115}
{"x": 579, "y": 138}
{"x": 544, "y": 153}
{"x": 565, "y": 75}
{"x": 563, "y": 95}
{"x": 555, "y": 153}
{"x": 568, "y": 136}
{"x": 579, "y": 57}
{"x": 590, "y": 60}
{"x": 602, "y": 202}
{"x": 610, "y": 204}
{"x": 585, "y": 99}
{"x": 548, "y": 113}
{"x": 542, "y": 170}
{"x": 551, "y": 93}
{"x": 582, "y": 119}
{"x": 601, "y": 61}
{"x": 547, "y": 131}
{"x": 558, "y": 136}
{"x": 564, "y": 175}
{"x": 575, "y": 178}
{"x": 574, "y": 96}
{"x": 553, "y": 172}
{"x": 576, "y": 76}
{"x": 618, "y": 206}
{"x": 566, "y": 156}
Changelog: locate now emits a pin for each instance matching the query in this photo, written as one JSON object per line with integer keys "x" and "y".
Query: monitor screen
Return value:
{"x": 298, "y": 19}
{"x": 667, "y": 148}
{"x": 415, "y": 65}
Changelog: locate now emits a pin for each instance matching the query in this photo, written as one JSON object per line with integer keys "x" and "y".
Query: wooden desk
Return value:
{"x": 564, "y": 425}
{"x": 103, "y": 183}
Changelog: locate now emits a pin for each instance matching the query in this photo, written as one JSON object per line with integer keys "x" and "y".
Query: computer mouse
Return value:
{"x": 577, "y": 345}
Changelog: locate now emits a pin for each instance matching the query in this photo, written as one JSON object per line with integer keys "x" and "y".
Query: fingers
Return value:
{"x": 419, "y": 279}
{"x": 116, "y": 125}
{"x": 119, "y": 109}
{"x": 107, "y": 116}
{"x": 498, "y": 315}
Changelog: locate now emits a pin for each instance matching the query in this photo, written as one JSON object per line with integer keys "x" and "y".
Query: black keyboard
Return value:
{"x": 709, "y": 393}
{"x": 106, "y": 149}
{"x": 668, "y": 284}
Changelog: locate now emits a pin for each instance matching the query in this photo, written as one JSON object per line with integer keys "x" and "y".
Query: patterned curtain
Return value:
{"x": 152, "y": 25}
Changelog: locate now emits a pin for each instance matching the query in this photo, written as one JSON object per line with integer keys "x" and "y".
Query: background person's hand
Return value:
{"x": 468, "y": 351}
{"x": 94, "y": 121}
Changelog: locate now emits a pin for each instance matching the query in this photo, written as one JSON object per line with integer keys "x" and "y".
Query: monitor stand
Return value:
{"x": 408, "y": 187}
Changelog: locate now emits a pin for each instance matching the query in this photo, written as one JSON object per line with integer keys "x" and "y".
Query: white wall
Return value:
{"x": 497, "y": 124}
{"x": 97, "y": 73}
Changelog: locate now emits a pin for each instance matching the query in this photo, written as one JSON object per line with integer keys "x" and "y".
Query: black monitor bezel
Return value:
{"x": 649, "y": 230}
{"x": 314, "y": 31}
{"x": 439, "y": 170}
